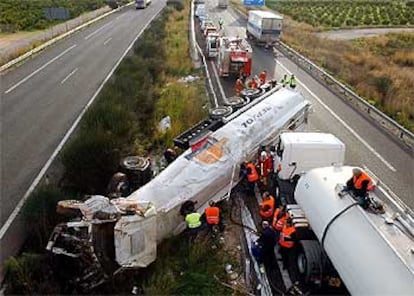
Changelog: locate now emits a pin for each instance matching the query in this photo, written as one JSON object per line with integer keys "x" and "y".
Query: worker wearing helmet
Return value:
{"x": 239, "y": 86}
{"x": 267, "y": 206}
{"x": 212, "y": 216}
{"x": 267, "y": 241}
{"x": 262, "y": 77}
{"x": 266, "y": 167}
{"x": 284, "y": 81}
{"x": 359, "y": 184}
{"x": 194, "y": 224}
{"x": 279, "y": 218}
{"x": 292, "y": 81}
{"x": 287, "y": 240}
{"x": 249, "y": 173}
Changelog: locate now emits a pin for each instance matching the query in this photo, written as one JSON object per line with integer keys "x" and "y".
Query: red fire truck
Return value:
{"x": 234, "y": 57}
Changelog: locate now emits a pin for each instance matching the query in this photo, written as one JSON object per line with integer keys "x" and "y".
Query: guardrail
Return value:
{"x": 348, "y": 95}
{"x": 388, "y": 124}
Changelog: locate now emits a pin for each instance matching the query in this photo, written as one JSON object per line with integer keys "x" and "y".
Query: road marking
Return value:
{"x": 44, "y": 169}
{"x": 97, "y": 31}
{"x": 38, "y": 70}
{"x": 107, "y": 40}
{"x": 69, "y": 75}
{"x": 223, "y": 95}
{"x": 352, "y": 131}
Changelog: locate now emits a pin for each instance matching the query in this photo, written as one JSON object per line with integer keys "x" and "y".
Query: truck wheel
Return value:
{"x": 237, "y": 102}
{"x": 137, "y": 169}
{"x": 309, "y": 262}
{"x": 251, "y": 93}
{"x": 220, "y": 112}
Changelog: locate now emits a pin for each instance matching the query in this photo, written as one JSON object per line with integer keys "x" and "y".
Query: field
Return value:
{"x": 345, "y": 14}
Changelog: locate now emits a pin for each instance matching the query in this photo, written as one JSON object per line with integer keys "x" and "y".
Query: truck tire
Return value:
{"x": 220, "y": 112}
{"x": 251, "y": 93}
{"x": 309, "y": 262}
{"x": 137, "y": 169}
{"x": 237, "y": 102}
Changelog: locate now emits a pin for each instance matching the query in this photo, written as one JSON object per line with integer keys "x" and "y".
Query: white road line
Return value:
{"x": 342, "y": 122}
{"x": 69, "y": 75}
{"x": 223, "y": 95}
{"x": 107, "y": 40}
{"x": 44, "y": 169}
{"x": 97, "y": 31}
{"x": 38, "y": 70}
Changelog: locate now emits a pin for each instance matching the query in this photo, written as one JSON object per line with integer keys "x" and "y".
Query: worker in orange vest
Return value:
{"x": 359, "y": 184}
{"x": 249, "y": 173}
{"x": 239, "y": 86}
{"x": 279, "y": 218}
{"x": 267, "y": 206}
{"x": 262, "y": 77}
{"x": 287, "y": 240}
{"x": 212, "y": 216}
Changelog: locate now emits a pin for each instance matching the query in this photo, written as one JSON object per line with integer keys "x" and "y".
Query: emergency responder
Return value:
{"x": 267, "y": 206}
{"x": 193, "y": 221}
{"x": 170, "y": 155}
{"x": 239, "y": 86}
{"x": 287, "y": 240}
{"x": 279, "y": 218}
{"x": 267, "y": 242}
{"x": 266, "y": 168}
{"x": 252, "y": 83}
{"x": 292, "y": 81}
{"x": 359, "y": 184}
{"x": 262, "y": 77}
{"x": 212, "y": 216}
{"x": 221, "y": 22}
{"x": 249, "y": 172}
{"x": 284, "y": 81}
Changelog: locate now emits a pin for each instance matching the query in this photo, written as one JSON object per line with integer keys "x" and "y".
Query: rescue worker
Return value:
{"x": 212, "y": 216}
{"x": 359, "y": 184}
{"x": 252, "y": 83}
{"x": 221, "y": 22}
{"x": 239, "y": 86}
{"x": 284, "y": 80}
{"x": 292, "y": 81}
{"x": 267, "y": 242}
{"x": 287, "y": 240}
{"x": 279, "y": 218}
{"x": 250, "y": 173}
{"x": 266, "y": 168}
{"x": 262, "y": 77}
{"x": 170, "y": 155}
{"x": 267, "y": 206}
{"x": 193, "y": 221}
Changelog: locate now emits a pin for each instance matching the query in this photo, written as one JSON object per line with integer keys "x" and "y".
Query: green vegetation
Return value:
{"x": 26, "y": 15}
{"x": 347, "y": 13}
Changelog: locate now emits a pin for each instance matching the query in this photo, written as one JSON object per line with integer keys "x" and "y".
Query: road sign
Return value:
{"x": 254, "y": 2}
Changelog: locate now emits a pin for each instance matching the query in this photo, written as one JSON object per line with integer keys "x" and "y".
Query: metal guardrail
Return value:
{"x": 348, "y": 95}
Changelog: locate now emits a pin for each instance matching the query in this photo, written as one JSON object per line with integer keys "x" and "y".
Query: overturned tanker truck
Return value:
{"x": 127, "y": 236}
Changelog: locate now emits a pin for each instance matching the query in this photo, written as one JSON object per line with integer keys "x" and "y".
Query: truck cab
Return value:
{"x": 212, "y": 44}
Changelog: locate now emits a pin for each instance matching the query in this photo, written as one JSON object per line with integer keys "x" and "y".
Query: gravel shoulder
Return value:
{"x": 361, "y": 33}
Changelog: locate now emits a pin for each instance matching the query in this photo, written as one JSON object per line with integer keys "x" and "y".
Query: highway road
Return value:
{"x": 367, "y": 145}
{"x": 42, "y": 98}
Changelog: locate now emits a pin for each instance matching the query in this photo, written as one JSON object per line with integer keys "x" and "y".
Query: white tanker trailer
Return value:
{"x": 338, "y": 242}
{"x": 206, "y": 171}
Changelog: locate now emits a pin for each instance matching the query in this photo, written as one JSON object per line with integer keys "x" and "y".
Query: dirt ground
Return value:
{"x": 362, "y": 33}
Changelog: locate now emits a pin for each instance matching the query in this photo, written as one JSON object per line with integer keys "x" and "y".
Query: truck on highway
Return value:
{"x": 108, "y": 234}
{"x": 212, "y": 44}
{"x": 264, "y": 27}
{"x": 223, "y": 3}
{"x": 234, "y": 57}
{"x": 141, "y": 4}
{"x": 338, "y": 243}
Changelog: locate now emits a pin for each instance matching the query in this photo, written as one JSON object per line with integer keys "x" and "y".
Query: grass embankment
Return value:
{"x": 380, "y": 69}
{"x": 122, "y": 121}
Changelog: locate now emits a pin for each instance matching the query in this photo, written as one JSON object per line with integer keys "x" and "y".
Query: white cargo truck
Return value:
{"x": 264, "y": 27}
{"x": 141, "y": 4}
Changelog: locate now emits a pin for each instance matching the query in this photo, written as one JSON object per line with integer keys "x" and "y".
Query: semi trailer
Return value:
{"x": 264, "y": 27}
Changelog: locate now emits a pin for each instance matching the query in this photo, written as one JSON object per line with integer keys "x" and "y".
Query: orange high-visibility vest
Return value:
{"x": 212, "y": 215}
{"x": 281, "y": 222}
{"x": 239, "y": 86}
{"x": 274, "y": 221}
{"x": 286, "y": 233}
{"x": 363, "y": 177}
{"x": 262, "y": 77}
{"x": 271, "y": 204}
{"x": 253, "y": 176}
{"x": 253, "y": 83}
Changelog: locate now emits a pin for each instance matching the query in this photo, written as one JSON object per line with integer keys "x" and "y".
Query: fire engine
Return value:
{"x": 234, "y": 57}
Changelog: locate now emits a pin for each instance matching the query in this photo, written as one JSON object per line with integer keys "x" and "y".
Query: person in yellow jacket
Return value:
{"x": 194, "y": 224}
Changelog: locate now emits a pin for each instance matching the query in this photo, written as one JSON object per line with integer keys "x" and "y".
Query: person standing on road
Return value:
{"x": 287, "y": 240}
{"x": 284, "y": 80}
{"x": 267, "y": 206}
{"x": 267, "y": 241}
{"x": 292, "y": 82}
{"x": 239, "y": 86}
{"x": 221, "y": 22}
{"x": 262, "y": 77}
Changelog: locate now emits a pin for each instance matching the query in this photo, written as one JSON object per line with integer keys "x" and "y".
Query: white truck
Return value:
{"x": 223, "y": 3}
{"x": 264, "y": 27}
{"x": 338, "y": 242}
{"x": 141, "y": 4}
{"x": 212, "y": 45}
{"x": 126, "y": 231}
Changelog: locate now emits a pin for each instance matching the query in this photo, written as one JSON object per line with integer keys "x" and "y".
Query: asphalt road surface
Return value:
{"x": 41, "y": 99}
{"x": 367, "y": 145}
